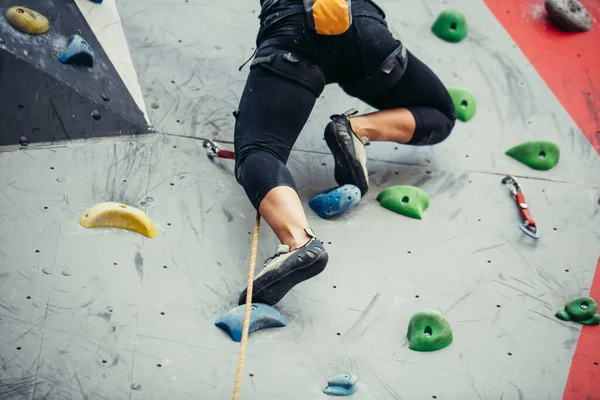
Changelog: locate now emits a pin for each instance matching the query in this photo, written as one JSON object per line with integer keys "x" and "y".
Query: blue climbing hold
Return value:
{"x": 342, "y": 384}
{"x": 78, "y": 52}
{"x": 262, "y": 316}
{"x": 334, "y": 201}
{"x": 97, "y": 1}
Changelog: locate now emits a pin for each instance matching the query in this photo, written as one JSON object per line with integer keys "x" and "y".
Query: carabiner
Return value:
{"x": 529, "y": 227}
{"x": 214, "y": 150}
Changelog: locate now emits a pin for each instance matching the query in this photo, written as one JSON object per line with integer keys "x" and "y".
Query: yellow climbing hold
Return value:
{"x": 116, "y": 215}
{"x": 27, "y": 21}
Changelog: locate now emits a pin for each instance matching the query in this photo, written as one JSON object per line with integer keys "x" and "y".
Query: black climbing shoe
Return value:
{"x": 285, "y": 270}
{"x": 348, "y": 152}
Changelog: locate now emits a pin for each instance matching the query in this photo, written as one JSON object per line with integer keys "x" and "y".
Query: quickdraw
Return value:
{"x": 528, "y": 226}
{"x": 215, "y": 151}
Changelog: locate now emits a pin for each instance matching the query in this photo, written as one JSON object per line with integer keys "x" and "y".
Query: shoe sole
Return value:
{"x": 287, "y": 282}
{"x": 336, "y": 146}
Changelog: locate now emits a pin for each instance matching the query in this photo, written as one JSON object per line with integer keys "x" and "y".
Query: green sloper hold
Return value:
{"x": 540, "y": 154}
{"x": 428, "y": 330}
{"x": 450, "y": 26}
{"x": 581, "y": 309}
{"x": 464, "y": 103}
{"x": 409, "y": 201}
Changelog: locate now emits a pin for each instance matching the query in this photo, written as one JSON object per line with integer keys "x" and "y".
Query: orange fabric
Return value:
{"x": 332, "y": 17}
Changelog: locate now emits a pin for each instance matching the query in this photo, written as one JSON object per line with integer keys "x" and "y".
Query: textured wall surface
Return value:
{"x": 110, "y": 314}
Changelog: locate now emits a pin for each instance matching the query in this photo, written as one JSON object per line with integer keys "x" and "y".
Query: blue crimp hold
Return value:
{"x": 97, "y": 1}
{"x": 334, "y": 201}
{"x": 342, "y": 384}
{"x": 78, "y": 52}
{"x": 262, "y": 316}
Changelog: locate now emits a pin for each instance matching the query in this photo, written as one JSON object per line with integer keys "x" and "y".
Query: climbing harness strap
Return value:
{"x": 212, "y": 152}
{"x": 329, "y": 17}
{"x": 215, "y": 151}
{"x": 528, "y": 226}
{"x": 245, "y": 327}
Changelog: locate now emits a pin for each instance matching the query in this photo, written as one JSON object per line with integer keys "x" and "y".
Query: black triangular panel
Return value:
{"x": 45, "y": 100}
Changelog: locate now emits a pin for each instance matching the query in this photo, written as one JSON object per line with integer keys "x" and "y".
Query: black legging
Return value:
{"x": 280, "y": 95}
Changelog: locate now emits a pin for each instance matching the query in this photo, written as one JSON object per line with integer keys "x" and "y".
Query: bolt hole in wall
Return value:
{"x": 159, "y": 365}
{"x": 28, "y": 297}
{"x": 498, "y": 305}
{"x": 162, "y": 313}
{"x": 19, "y": 348}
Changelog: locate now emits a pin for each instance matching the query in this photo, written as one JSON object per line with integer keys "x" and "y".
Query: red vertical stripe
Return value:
{"x": 569, "y": 63}
{"x": 584, "y": 378}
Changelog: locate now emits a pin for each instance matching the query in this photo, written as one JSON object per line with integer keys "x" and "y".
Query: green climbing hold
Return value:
{"x": 27, "y": 21}
{"x": 409, "y": 201}
{"x": 464, "y": 103}
{"x": 581, "y": 309}
{"x": 450, "y": 26}
{"x": 428, "y": 330}
{"x": 540, "y": 154}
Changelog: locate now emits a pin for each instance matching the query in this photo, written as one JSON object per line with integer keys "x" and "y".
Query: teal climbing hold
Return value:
{"x": 464, "y": 103}
{"x": 331, "y": 202}
{"x": 540, "y": 154}
{"x": 450, "y": 26}
{"x": 262, "y": 316}
{"x": 409, "y": 201}
{"x": 581, "y": 309}
{"x": 342, "y": 384}
{"x": 428, "y": 330}
{"x": 78, "y": 52}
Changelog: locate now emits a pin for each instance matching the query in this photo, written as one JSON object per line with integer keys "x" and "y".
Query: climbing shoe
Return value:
{"x": 348, "y": 152}
{"x": 286, "y": 269}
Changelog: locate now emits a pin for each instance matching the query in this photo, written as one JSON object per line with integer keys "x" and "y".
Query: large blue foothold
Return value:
{"x": 262, "y": 316}
{"x": 334, "y": 201}
{"x": 78, "y": 52}
{"x": 342, "y": 384}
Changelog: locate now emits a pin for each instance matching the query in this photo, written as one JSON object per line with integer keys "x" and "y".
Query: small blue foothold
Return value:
{"x": 262, "y": 316}
{"x": 334, "y": 201}
{"x": 97, "y": 1}
{"x": 342, "y": 384}
{"x": 78, "y": 52}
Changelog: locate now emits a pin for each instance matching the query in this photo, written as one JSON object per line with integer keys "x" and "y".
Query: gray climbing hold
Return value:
{"x": 136, "y": 386}
{"x": 47, "y": 270}
{"x": 105, "y": 97}
{"x": 154, "y": 105}
{"x": 2, "y": 41}
{"x": 568, "y": 15}
{"x": 342, "y": 384}
{"x": 67, "y": 272}
{"x": 262, "y": 316}
{"x": 24, "y": 141}
{"x": 96, "y": 115}
{"x": 78, "y": 52}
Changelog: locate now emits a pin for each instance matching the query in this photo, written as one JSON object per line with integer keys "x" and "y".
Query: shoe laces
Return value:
{"x": 281, "y": 249}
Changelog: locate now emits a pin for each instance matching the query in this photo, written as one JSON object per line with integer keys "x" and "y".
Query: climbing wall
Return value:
{"x": 111, "y": 314}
